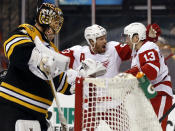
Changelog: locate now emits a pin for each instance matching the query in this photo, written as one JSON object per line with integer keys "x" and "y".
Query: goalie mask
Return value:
{"x": 93, "y": 32}
{"x": 51, "y": 16}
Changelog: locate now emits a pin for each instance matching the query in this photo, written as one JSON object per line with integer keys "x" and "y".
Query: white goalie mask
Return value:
{"x": 135, "y": 28}
{"x": 93, "y": 32}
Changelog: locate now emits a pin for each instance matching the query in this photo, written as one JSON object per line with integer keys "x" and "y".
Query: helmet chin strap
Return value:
{"x": 92, "y": 48}
{"x": 133, "y": 47}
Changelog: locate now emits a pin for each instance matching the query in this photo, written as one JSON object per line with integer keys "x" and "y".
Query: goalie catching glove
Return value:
{"x": 45, "y": 62}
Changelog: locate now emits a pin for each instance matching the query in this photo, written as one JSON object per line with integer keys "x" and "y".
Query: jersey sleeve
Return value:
{"x": 124, "y": 51}
{"x": 70, "y": 54}
{"x": 18, "y": 49}
{"x": 61, "y": 84}
{"x": 149, "y": 63}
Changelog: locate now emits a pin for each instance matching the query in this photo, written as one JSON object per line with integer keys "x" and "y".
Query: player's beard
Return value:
{"x": 101, "y": 49}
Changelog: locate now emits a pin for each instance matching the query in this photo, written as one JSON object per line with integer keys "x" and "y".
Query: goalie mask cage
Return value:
{"x": 113, "y": 104}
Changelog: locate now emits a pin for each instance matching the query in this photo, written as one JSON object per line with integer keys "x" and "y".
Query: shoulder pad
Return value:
{"x": 31, "y": 31}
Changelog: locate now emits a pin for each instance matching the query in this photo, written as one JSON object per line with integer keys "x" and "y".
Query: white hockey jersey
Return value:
{"x": 149, "y": 60}
{"x": 111, "y": 59}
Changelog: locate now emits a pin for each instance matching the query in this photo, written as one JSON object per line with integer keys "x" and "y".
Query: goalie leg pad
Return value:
{"x": 27, "y": 125}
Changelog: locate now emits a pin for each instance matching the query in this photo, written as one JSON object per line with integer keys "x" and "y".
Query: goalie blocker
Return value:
{"x": 44, "y": 61}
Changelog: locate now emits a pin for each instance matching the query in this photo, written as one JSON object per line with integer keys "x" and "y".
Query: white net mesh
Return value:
{"x": 116, "y": 104}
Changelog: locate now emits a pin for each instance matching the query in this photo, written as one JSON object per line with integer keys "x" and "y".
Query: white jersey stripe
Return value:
{"x": 162, "y": 106}
{"x": 164, "y": 88}
{"x": 62, "y": 82}
{"x": 155, "y": 67}
{"x": 14, "y": 41}
{"x": 23, "y": 98}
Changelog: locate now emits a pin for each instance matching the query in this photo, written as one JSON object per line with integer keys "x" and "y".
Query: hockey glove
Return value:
{"x": 134, "y": 70}
{"x": 71, "y": 77}
{"x": 153, "y": 32}
{"x": 91, "y": 68}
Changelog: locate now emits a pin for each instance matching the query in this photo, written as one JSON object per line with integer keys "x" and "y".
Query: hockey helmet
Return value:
{"x": 50, "y": 15}
{"x": 135, "y": 28}
{"x": 93, "y": 32}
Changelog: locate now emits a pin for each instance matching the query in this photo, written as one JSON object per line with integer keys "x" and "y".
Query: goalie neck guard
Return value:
{"x": 51, "y": 16}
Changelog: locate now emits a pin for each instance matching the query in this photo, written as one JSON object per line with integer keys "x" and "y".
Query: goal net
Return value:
{"x": 113, "y": 104}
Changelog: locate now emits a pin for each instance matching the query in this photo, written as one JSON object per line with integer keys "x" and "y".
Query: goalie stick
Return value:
{"x": 167, "y": 113}
{"x": 60, "y": 113}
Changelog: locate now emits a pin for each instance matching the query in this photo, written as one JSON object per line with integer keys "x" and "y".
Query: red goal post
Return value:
{"x": 113, "y": 104}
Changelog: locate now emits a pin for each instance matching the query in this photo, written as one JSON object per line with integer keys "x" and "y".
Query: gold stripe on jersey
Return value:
{"x": 8, "y": 97}
{"x": 32, "y": 31}
{"x": 61, "y": 76}
{"x": 10, "y": 39}
{"x": 65, "y": 87}
{"x": 10, "y": 51}
{"x": 62, "y": 82}
{"x": 24, "y": 93}
{"x": 53, "y": 46}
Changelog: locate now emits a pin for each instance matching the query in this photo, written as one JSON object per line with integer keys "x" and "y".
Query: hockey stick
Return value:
{"x": 60, "y": 113}
{"x": 169, "y": 56}
{"x": 167, "y": 113}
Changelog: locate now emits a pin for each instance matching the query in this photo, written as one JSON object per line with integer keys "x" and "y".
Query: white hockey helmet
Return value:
{"x": 93, "y": 32}
{"x": 135, "y": 28}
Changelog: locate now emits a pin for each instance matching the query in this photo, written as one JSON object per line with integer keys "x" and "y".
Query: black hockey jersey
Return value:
{"x": 20, "y": 86}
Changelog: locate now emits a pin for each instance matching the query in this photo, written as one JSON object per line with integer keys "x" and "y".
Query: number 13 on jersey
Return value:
{"x": 149, "y": 56}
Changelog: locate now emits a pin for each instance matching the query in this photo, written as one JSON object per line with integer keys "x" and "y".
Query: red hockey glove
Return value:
{"x": 153, "y": 32}
{"x": 134, "y": 70}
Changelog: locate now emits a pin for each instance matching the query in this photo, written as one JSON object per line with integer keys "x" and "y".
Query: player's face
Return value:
{"x": 50, "y": 34}
{"x": 130, "y": 41}
{"x": 100, "y": 46}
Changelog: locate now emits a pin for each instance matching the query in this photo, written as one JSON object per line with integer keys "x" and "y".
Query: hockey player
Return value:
{"x": 24, "y": 92}
{"x": 146, "y": 58}
{"x": 109, "y": 53}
